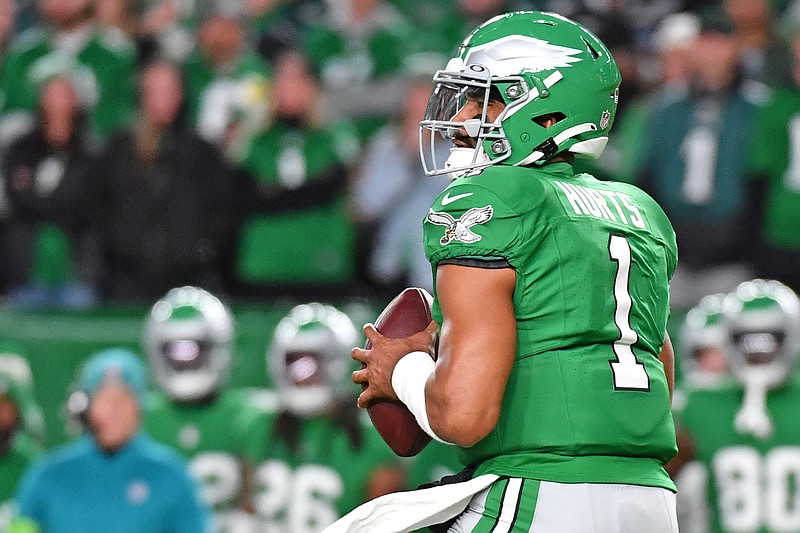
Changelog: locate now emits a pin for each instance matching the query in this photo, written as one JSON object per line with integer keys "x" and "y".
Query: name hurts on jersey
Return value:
{"x": 588, "y": 201}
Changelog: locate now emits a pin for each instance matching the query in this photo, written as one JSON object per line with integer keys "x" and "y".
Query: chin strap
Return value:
{"x": 550, "y": 147}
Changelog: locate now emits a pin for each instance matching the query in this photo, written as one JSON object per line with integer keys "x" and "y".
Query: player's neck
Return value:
{"x": 562, "y": 157}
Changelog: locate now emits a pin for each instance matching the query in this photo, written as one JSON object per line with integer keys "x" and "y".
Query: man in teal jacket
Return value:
{"x": 114, "y": 478}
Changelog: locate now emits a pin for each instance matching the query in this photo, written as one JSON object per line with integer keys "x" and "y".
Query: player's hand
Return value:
{"x": 379, "y": 360}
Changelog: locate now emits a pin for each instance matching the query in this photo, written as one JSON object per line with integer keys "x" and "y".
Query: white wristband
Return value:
{"x": 410, "y": 375}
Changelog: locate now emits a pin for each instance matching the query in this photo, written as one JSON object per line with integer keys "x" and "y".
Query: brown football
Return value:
{"x": 408, "y": 313}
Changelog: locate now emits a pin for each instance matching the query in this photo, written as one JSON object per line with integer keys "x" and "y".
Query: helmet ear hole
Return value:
{"x": 549, "y": 119}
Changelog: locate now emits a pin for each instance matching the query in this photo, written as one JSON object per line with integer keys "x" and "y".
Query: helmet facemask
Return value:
{"x": 452, "y": 92}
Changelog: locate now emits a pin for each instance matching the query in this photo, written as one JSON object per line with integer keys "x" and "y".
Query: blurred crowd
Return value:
{"x": 269, "y": 147}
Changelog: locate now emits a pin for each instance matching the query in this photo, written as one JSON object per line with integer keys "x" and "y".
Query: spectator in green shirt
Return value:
{"x": 100, "y": 59}
{"x": 297, "y": 232}
{"x": 227, "y": 85}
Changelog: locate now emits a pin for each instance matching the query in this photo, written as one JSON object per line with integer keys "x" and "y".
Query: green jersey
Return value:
{"x": 309, "y": 244}
{"x": 304, "y": 488}
{"x": 212, "y": 437}
{"x": 752, "y": 483}
{"x": 13, "y": 464}
{"x": 587, "y": 399}
{"x": 776, "y": 156}
{"x": 102, "y": 67}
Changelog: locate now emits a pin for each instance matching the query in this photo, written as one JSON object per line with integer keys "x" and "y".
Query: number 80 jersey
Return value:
{"x": 752, "y": 482}
{"x": 587, "y": 399}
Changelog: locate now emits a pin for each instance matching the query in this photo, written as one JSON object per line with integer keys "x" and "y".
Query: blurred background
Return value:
{"x": 266, "y": 151}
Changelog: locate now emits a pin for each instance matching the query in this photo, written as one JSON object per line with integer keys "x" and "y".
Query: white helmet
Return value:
{"x": 309, "y": 358}
{"x": 762, "y": 320}
{"x": 702, "y": 330}
{"x": 188, "y": 336}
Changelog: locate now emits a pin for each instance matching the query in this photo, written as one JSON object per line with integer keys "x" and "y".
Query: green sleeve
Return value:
{"x": 13, "y": 83}
{"x": 469, "y": 220}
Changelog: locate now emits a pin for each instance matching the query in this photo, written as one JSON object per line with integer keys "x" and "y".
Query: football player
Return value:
{"x": 321, "y": 457}
{"x": 189, "y": 342}
{"x": 703, "y": 364}
{"x": 21, "y": 429}
{"x": 554, "y": 369}
{"x": 745, "y": 430}
{"x": 702, "y": 357}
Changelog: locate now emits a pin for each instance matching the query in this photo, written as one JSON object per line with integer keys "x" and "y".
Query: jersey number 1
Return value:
{"x": 629, "y": 374}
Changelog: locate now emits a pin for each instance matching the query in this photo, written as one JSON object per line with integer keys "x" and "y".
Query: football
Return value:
{"x": 408, "y": 313}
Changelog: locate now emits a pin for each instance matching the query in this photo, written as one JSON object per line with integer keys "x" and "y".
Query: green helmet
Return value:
{"x": 189, "y": 341}
{"x": 762, "y": 320}
{"x": 16, "y": 383}
{"x": 540, "y": 65}
{"x": 702, "y": 329}
{"x": 309, "y": 358}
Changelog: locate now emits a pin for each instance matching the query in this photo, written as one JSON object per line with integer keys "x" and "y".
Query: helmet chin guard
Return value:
{"x": 556, "y": 80}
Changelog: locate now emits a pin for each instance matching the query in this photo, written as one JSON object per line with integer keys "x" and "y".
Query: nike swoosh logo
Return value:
{"x": 450, "y": 199}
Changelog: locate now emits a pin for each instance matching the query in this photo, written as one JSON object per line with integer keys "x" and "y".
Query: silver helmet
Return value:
{"x": 309, "y": 358}
{"x": 762, "y": 322}
{"x": 189, "y": 337}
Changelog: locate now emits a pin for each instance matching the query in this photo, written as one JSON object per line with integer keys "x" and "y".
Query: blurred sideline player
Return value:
{"x": 320, "y": 457}
{"x": 115, "y": 477}
{"x": 21, "y": 429}
{"x": 702, "y": 337}
{"x": 189, "y": 342}
{"x": 703, "y": 365}
{"x": 745, "y": 431}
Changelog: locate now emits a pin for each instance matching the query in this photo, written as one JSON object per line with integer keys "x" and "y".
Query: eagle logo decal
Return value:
{"x": 459, "y": 230}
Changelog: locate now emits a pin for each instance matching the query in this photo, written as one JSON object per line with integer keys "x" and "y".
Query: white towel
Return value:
{"x": 400, "y": 512}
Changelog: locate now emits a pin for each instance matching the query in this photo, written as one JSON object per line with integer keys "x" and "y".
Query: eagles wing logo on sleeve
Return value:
{"x": 459, "y": 230}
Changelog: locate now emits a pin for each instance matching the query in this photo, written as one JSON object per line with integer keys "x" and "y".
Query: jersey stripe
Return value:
{"x": 491, "y": 507}
{"x": 527, "y": 505}
{"x": 510, "y": 506}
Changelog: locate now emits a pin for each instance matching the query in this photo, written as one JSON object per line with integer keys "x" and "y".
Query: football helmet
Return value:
{"x": 309, "y": 358}
{"x": 701, "y": 331}
{"x": 540, "y": 65}
{"x": 189, "y": 338}
{"x": 16, "y": 384}
{"x": 762, "y": 322}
